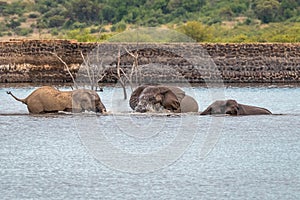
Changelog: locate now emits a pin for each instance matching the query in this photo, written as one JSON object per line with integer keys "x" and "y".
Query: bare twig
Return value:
{"x": 86, "y": 64}
{"x": 100, "y": 72}
{"x": 134, "y": 68}
{"x": 124, "y": 74}
{"x": 100, "y": 79}
{"x": 67, "y": 68}
{"x": 122, "y": 82}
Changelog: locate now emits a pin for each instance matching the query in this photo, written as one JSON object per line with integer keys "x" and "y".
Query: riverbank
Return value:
{"x": 34, "y": 61}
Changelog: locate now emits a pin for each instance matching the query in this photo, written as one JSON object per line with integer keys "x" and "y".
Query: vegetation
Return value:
{"x": 202, "y": 20}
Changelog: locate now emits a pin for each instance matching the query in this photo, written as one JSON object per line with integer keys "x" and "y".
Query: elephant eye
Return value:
{"x": 144, "y": 98}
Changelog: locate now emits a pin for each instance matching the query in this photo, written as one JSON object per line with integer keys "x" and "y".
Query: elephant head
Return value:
{"x": 232, "y": 107}
{"x": 162, "y": 98}
{"x": 154, "y": 98}
{"x": 222, "y": 107}
{"x": 86, "y": 100}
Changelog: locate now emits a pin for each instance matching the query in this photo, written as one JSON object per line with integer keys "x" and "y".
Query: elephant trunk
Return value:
{"x": 140, "y": 108}
{"x": 149, "y": 107}
{"x": 101, "y": 108}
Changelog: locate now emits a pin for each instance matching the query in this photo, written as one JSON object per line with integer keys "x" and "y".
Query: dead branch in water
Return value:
{"x": 123, "y": 77}
{"x": 67, "y": 68}
{"x": 95, "y": 75}
{"x": 87, "y": 69}
{"x": 96, "y": 72}
{"x": 119, "y": 70}
{"x": 134, "y": 69}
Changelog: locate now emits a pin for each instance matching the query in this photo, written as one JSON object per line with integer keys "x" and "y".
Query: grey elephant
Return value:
{"x": 50, "y": 100}
{"x": 158, "y": 98}
{"x": 232, "y": 107}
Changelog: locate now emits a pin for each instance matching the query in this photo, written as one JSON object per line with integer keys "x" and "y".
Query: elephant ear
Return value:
{"x": 235, "y": 107}
{"x": 241, "y": 109}
{"x": 76, "y": 102}
{"x": 81, "y": 101}
{"x": 134, "y": 98}
{"x": 170, "y": 100}
{"x": 180, "y": 94}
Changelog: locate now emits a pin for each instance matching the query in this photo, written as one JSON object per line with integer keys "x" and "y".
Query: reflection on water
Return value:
{"x": 253, "y": 156}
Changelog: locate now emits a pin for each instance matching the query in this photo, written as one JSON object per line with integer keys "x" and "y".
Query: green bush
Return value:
{"x": 13, "y": 24}
{"x": 54, "y": 32}
{"x": 33, "y": 15}
{"x": 22, "y": 19}
{"x": 273, "y": 32}
{"x": 42, "y": 23}
{"x": 3, "y": 27}
{"x": 81, "y": 35}
{"x": 14, "y": 8}
{"x": 33, "y": 25}
{"x": 196, "y": 30}
{"x": 267, "y": 10}
{"x": 98, "y": 30}
{"x": 248, "y": 21}
{"x": 23, "y": 31}
{"x": 241, "y": 38}
{"x": 104, "y": 37}
{"x": 119, "y": 27}
{"x": 78, "y": 25}
{"x": 56, "y": 21}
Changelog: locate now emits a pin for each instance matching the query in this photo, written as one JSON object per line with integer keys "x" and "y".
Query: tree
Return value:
{"x": 266, "y": 10}
{"x": 56, "y": 21}
{"x": 13, "y": 24}
{"x": 288, "y": 8}
{"x": 226, "y": 13}
{"x": 108, "y": 13}
{"x": 196, "y": 30}
{"x": 119, "y": 27}
{"x": 84, "y": 10}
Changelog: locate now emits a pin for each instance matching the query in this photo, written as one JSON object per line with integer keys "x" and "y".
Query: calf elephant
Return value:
{"x": 161, "y": 99}
{"x": 50, "y": 100}
{"x": 232, "y": 107}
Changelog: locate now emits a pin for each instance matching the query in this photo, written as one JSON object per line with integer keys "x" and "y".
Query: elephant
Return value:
{"x": 159, "y": 98}
{"x": 47, "y": 99}
{"x": 232, "y": 107}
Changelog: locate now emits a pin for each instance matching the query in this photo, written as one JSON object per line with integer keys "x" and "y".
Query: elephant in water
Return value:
{"x": 147, "y": 98}
{"x": 232, "y": 107}
{"x": 50, "y": 100}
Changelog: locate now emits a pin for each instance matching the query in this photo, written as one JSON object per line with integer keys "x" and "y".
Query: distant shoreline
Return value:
{"x": 225, "y": 85}
{"x": 32, "y": 61}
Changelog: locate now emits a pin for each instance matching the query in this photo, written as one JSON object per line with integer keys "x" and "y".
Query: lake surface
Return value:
{"x": 123, "y": 155}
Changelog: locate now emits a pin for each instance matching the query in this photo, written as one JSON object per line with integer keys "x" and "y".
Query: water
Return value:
{"x": 72, "y": 156}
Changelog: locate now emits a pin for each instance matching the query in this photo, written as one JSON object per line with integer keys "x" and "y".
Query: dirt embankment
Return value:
{"x": 34, "y": 61}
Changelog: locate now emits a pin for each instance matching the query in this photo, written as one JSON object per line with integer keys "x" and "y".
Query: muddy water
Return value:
{"x": 124, "y": 155}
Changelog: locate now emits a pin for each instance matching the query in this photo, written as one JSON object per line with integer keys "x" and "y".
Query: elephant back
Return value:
{"x": 189, "y": 104}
